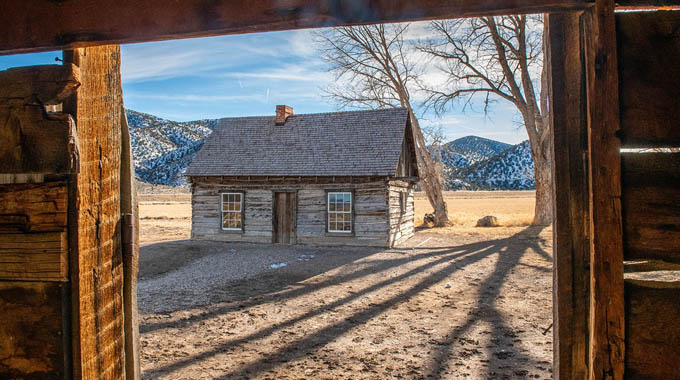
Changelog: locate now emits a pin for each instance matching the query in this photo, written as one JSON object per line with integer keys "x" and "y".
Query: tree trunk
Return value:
{"x": 543, "y": 215}
{"x": 543, "y": 156}
{"x": 429, "y": 179}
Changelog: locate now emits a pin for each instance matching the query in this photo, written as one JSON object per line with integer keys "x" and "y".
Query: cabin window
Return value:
{"x": 232, "y": 211}
{"x": 340, "y": 212}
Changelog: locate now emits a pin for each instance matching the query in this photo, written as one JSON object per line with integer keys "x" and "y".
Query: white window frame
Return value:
{"x": 222, "y": 211}
{"x": 329, "y": 212}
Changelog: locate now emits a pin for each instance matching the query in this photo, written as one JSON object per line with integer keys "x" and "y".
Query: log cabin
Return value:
{"x": 69, "y": 295}
{"x": 343, "y": 178}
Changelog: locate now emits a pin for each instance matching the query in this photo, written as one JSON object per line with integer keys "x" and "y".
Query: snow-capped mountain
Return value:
{"x": 466, "y": 151}
{"x": 512, "y": 169}
{"x": 162, "y": 149}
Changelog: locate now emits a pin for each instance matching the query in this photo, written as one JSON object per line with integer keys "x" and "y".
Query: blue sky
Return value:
{"x": 247, "y": 75}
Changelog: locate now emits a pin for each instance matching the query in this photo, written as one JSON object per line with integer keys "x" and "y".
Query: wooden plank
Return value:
{"x": 651, "y": 206}
{"x": 33, "y": 207}
{"x": 37, "y": 257}
{"x": 292, "y": 217}
{"x": 32, "y": 141}
{"x": 648, "y": 265}
{"x": 31, "y": 335}
{"x": 129, "y": 208}
{"x": 343, "y": 241}
{"x": 46, "y": 84}
{"x": 50, "y": 25}
{"x": 571, "y": 250}
{"x": 606, "y": 340}
{"x": 652, "y": 329}
{"x": 401, "y": 223}
{"x": 280, "y": 211}
{"x": 265, "y": 239}
{"x": 97, "y": 271}
{"x": 649, "y": 82}
{"x": 647, "y": 4}
{"x": 21, "y": 178}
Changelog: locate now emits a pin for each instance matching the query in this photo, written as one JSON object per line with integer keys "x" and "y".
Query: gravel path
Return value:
{"x": 182, "y": 274}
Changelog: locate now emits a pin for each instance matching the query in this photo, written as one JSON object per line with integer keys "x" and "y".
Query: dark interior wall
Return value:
{"x": 649, "y": 86}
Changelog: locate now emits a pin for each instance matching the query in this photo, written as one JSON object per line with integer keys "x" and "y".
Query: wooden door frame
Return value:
{"x": 571, "y": 247}
{"x": 588, "y": 293}
{"x": 587, "y": 205}
{"x": 274, "y": 216}
{"x": 56, "y": 25}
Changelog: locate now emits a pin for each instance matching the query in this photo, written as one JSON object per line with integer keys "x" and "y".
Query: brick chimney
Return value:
{"x": 282, "y": 113}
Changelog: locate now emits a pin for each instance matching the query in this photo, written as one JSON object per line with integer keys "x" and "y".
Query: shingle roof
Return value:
{"x": 355, "y": 143}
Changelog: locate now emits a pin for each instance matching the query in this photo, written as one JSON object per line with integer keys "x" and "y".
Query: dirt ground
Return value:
{"x": 454, "y": 303}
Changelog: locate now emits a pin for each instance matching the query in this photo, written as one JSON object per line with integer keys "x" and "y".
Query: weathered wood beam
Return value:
{"x": 32, "y": 208}
{"x": 31, "y": 320}
{"x": 606, "y": 339}
{"x": 32, "y": 140}
{"x": 652, "y": 329}
{"x": 41, "y": 25}
{"x": 46, "y": 84}
{"x": 34, "y": 257}
{"x": 95, "y": 219}
{"x": 651, "y": 206}
{"x": 570, "y": 196}
{"x": 647, "y": 4}
{"x": 129, "y": 209}
{"x": 35, "y": 142}
{"x": 649, "y": 82}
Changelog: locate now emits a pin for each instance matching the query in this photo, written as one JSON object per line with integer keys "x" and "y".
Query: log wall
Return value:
{"x": 33, "y": 281}
{"x": 648, "y": 58}
{"x": 34, "y": 265}
{"x": 371, "y": 225}
{"x": 401, "y": 211}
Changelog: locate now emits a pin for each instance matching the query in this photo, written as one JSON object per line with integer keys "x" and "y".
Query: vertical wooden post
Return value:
{"x": 130, "y": 236}
{"x": 570, "y": 197}
{"x": 606, "y": 245}
{"x": 95, "y": 217}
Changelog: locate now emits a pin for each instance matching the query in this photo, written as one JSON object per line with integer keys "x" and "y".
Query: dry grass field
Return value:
{"x": 164, "y": 217}
{"x": 512, "y": 208}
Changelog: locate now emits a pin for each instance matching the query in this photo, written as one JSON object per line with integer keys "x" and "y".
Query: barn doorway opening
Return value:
{"x": 335, "y": 311}
{"x": 448, "y": 302}
{"x": 316, "y": 310}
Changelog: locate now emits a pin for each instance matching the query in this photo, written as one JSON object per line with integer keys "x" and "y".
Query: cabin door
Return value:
{"x": 284, "y": 217}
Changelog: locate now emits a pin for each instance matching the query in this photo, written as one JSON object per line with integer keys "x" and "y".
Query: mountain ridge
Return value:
{"x": 162, "y": 150}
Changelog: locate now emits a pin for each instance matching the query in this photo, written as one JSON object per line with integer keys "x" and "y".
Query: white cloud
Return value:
{"x": 289, "y": 72}
{"x": 195, "y": 98}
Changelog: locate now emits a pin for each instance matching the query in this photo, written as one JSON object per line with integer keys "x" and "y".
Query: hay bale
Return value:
{"x": 488, "y": 221}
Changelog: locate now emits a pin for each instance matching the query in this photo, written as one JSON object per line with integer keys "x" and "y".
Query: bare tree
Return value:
{"x": 434, "y": 139}
{"x": 373, "y": 69}
{"x": 499, "y": 57}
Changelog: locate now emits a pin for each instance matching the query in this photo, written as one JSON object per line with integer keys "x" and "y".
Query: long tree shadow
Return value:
{"x": 487, "y": 311}
{"x": 250, "y": 292}
{"x": 452, "y": 259}
{"x": 163, "y": 258}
